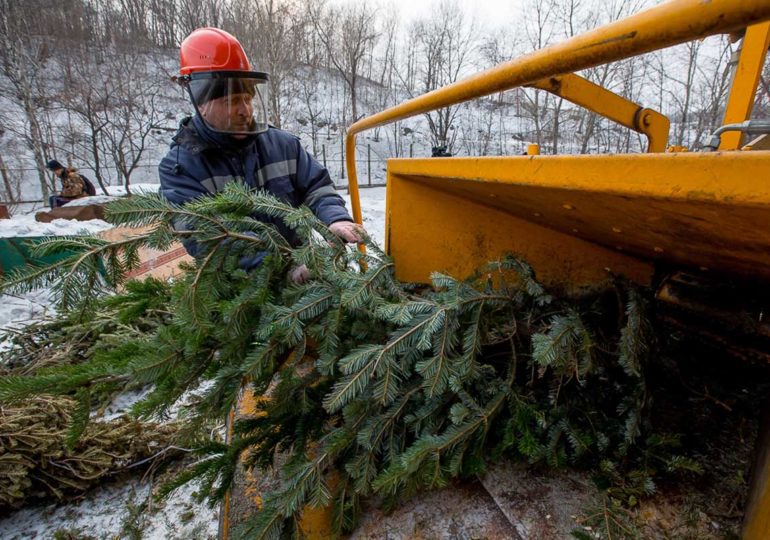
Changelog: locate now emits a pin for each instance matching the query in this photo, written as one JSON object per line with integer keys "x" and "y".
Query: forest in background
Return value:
{"x": 89, "y": 82}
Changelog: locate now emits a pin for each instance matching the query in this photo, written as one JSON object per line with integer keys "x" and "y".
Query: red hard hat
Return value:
{"x": 211, "y": 49}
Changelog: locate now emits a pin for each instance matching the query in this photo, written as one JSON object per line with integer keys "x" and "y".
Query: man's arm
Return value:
{"x": 179, "y": 188}
{"x": 318, "y": 193}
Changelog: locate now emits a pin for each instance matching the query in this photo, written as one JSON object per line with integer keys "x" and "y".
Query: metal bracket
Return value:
{"x": 595, "y": 98}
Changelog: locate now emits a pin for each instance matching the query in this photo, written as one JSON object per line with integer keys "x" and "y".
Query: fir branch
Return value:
{"x": 64, "y": 275}
{"x": 397, "y": 387}
{"x": 634, "y": 337}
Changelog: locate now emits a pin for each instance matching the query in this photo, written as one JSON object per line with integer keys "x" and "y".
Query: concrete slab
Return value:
{"x": 461, "y": 511}
{"x": 540, "y": 507}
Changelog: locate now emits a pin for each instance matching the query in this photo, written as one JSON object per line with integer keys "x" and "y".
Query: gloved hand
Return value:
{"x": 299, "y": 274}
{"x": 348, "y": 231}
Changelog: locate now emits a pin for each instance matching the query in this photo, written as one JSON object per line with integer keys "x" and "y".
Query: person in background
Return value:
{"x": 229, "y": 140}
{"x": 74, "y": 185}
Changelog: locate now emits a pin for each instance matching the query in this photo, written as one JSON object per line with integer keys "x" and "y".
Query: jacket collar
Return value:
{"x": 196, "y": 136}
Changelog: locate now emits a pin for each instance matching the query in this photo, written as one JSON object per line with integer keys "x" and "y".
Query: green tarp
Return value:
{"x": 15, "y": 252}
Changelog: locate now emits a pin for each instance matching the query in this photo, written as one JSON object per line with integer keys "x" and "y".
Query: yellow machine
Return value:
{"x": 574, "y": 217}
{"x": 579, "y": 219}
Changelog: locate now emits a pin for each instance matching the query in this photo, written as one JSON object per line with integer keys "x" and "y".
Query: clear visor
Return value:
{"x": 234, "y": 104}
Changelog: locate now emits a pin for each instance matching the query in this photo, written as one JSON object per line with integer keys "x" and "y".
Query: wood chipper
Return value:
{"x": 675, "y": 221}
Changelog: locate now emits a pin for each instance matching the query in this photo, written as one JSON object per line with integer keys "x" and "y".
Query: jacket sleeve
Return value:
{"x": 177, "y": 187}
{"x": 317, "y": 189}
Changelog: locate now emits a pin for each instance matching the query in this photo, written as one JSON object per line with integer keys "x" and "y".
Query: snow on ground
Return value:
{"x": 111, "y": 511}
{"x": 105, "y": 512}
{"x": 115, "y": 192}
{"x": 25, "y": 308}
{"x": 24, "y": 225}
{"x": 372, "y": 210}
{"x": 17, "y": 311}
{"x": 136, "y": 189}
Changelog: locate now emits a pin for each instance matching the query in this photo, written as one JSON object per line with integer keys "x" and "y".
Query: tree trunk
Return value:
{"x": 36, "y": 141}
{"x": 6, "y": 181}
{"x": 555, "y": 131}
{"x": 353, "y": 99}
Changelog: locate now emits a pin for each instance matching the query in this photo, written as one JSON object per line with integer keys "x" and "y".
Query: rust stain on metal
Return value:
{"x": 622, "y": 37}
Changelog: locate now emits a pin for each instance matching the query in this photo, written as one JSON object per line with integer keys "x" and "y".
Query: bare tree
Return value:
{"x": 87, "y": 96}
{"x": 22, "y": 64}
{"x": 193, "y": 14}
{"x": 444, "y": 45}
{"x": 384, "y": 88}
{"x": 136, "y": 14}
{"x": 114, "y": 106}
{"x": 10, "y": 192}
{"x": 498, "y": 47}
{"x": 131, "y": 115}
{"x": 35, "y": 36}
{"x": 310, "y": 84}
{"x": 682, "y": 95}
{"x": 539, "y": 30}
{"x": 711, "y": 93}
{"x": 162, "y": 25}
{"x": 271, "y": 31}
{"x": 477, "y": 131}
{"x": 347, "y": 33}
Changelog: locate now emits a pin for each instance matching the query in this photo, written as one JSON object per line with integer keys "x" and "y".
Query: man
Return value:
{"x": 73, "y": 184}
{"x": 229, "y": 140}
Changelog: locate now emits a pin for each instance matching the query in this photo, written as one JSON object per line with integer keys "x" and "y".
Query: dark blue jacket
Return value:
{"x": 200, "y": 163}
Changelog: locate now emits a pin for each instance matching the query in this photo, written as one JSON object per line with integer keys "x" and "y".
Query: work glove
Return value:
{"x": 299, "y": 274}
{"x": 348, "y": 231}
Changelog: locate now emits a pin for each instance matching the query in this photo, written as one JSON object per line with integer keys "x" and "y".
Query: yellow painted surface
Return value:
{"x": 757, "y": 520}
{"x": 573, "y": 216}
{"x": 744, "y": 87}
{"x": 435, "y": 230}
{"x": 662, "y": 26}
{"x": 593, "y": 97}
{"x": 315, "y": 523}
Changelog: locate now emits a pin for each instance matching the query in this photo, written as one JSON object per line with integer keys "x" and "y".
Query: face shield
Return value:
{"x": 229, "y": 102}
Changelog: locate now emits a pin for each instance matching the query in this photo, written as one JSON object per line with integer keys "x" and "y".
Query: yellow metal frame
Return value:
{"x": 578, "y": 219}
{"x": 598, "y": 99}
{"x": 744, "y": 87}
{"x": 665, "y": 25}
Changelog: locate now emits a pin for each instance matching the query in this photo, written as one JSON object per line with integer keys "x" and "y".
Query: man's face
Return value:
{"x": 230, "y": 113}
{"x": 58, "y": 171}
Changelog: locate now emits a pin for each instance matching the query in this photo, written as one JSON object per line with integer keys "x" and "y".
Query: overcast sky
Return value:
{"x": 489, "y": 12}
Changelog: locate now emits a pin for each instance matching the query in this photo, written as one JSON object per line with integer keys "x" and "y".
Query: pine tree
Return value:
{"x": 375, "y": 386}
